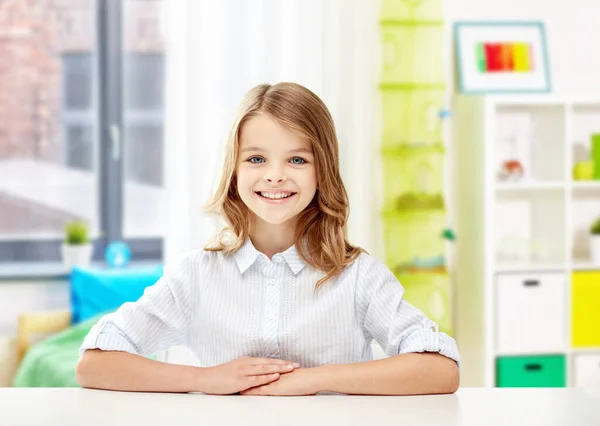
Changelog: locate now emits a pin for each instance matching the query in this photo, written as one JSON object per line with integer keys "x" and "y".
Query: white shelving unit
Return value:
{"x": 519, "y": 242}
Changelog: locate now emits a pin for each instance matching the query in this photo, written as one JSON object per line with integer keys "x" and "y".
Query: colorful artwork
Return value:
{"x": 504, "y": 56}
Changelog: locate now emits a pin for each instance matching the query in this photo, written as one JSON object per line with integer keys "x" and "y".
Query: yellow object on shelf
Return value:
{"x": 585, "y": 309}
{"x": 411, "y": 10}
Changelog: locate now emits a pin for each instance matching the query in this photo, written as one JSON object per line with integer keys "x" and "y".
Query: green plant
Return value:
{"x": 76, "y": 233}
{"x": 595, "y": 228}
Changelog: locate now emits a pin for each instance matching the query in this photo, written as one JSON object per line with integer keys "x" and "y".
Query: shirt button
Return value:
{"x": 271, "y": 316}
{"x": 277, "y": 259}
{"x": 272, "y": 281}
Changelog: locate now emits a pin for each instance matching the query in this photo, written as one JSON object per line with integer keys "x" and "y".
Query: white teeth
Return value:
{"x": 275, "y": 196}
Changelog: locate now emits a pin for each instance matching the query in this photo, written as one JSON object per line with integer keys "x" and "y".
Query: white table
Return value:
{"x": 477, "y": 407}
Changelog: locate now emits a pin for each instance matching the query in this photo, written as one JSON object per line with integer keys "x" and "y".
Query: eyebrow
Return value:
{"x": 293, "y": 151}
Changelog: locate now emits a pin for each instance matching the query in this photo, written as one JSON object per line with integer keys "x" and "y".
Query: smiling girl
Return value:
{"x": 280, "y": 303}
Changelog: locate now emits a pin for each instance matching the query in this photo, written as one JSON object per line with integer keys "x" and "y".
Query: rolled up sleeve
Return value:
{"x": 157, "y": 321}
{"x": 393, "y": 322}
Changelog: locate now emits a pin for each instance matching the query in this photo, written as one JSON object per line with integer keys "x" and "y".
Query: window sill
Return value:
{"x": 35, "y": 271}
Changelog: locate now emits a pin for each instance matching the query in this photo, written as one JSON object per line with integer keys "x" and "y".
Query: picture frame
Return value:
{"x": 502, "y": 57}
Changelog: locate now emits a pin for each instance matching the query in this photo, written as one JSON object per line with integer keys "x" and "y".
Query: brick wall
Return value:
{"x": 33, "y": 36}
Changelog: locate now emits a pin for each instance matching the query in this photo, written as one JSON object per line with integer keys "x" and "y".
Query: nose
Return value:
{"x": 274, "y": 179}
{"x": 275, "y": 175}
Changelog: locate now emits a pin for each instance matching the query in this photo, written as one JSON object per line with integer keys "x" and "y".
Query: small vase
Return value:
{"x": 76, "y": 255}
{"x": 595, "y": 249}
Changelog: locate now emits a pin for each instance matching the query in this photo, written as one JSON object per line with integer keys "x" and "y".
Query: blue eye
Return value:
{"x": 256, "y": 160}
{"x": 298, "y": 160}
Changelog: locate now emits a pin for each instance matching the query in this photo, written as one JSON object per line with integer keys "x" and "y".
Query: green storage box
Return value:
{"x": 531, "y": 371}
{"x": 412, "y": 55}
{"x": 412, "y": 10}
{"x": 411, "y": 117}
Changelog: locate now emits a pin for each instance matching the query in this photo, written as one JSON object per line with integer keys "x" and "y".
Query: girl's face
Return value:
{"x": 276, "y": 174}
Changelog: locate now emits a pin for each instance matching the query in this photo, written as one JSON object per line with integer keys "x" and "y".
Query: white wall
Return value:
{"x": 24, "y": 296}
{"x": 572, "y": 29}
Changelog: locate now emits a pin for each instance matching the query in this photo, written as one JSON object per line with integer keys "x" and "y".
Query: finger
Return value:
{"x": 261, "y": 361}
{"x": 254, "y": 381}
{"x": 262, "y": 369}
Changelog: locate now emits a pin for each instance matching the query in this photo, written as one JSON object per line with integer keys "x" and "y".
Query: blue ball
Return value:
{"x": 117, "y": 254}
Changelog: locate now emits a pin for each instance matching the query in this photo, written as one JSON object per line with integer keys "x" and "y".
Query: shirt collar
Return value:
{"x": 247, "y": 255}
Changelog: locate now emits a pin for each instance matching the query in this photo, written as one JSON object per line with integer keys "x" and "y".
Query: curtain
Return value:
{"x": 217, "y": 50}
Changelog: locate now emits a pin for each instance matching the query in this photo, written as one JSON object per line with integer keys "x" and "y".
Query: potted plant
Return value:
{"x": 595, "y": 241}
{"x": 76, "y": 249}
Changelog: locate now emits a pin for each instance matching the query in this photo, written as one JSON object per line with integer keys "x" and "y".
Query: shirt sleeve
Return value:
{"x": 158, "y": 320}
{"x": 394, "y": 323}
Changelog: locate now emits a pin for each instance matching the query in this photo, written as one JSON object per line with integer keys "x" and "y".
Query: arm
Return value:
{"x": 422, "y": 359}
{"x": 113, "y": 353}
{"x": 407, "y": 374}
{"x": 122, "y": 371}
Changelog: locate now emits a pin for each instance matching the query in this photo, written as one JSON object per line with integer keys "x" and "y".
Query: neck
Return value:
{"x": 272, "y": 239}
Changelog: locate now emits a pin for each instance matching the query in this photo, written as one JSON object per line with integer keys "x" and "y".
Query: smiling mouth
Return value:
{"x": 275, "y": 195}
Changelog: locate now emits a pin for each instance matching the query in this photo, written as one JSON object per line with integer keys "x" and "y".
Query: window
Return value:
{"x": 78, "y": 108}
{"x": 81, "y": 125}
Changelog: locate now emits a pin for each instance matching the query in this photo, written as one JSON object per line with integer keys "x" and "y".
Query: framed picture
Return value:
{"x": 501, "y": 57}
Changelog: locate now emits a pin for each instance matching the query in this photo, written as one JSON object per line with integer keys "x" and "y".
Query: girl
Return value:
{"x": 280, "y": 303}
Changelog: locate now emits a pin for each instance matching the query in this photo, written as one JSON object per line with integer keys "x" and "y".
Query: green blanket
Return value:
{"x": 51, "y": 362}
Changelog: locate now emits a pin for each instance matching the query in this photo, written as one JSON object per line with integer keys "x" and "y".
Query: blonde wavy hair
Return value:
{"x": 320, "y": 237}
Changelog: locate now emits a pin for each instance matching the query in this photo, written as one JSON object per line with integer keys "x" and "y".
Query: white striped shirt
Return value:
{"x": 223, "y": 307}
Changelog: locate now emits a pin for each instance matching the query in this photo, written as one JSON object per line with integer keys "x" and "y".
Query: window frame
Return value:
{"x": 108, "y": 117}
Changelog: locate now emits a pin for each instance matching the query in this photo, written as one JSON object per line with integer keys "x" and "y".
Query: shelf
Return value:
{"x": 587, "y": 185}
{"x": 585, "y": 266}
{"x": 507, "y": 268}
{"x": 529, "y": 186}
{"x": 410, "y": 23}
{"x": 584, "y": 350}
{"x": 411, "y": 86}
{"x": 399, "y": 213}
{"x": 498, "y": 353}
{"x": 408, "y": 149}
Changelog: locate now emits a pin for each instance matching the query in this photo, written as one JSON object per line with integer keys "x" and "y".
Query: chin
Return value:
{"x": 274, "y": 220}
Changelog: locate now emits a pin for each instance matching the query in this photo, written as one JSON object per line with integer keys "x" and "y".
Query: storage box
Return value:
{"x": 586, "y": 370}
{"x": 411, "y": 117}
{"x": 585, "y": 309}
{"x": 430, "y": 292}
{"x": 531, "y": 371}
{"x": 530, "y": 313}
{"x": 413, "y": 234}
{"x": 414, "y": 180}
{"x": 412, "y": 55}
